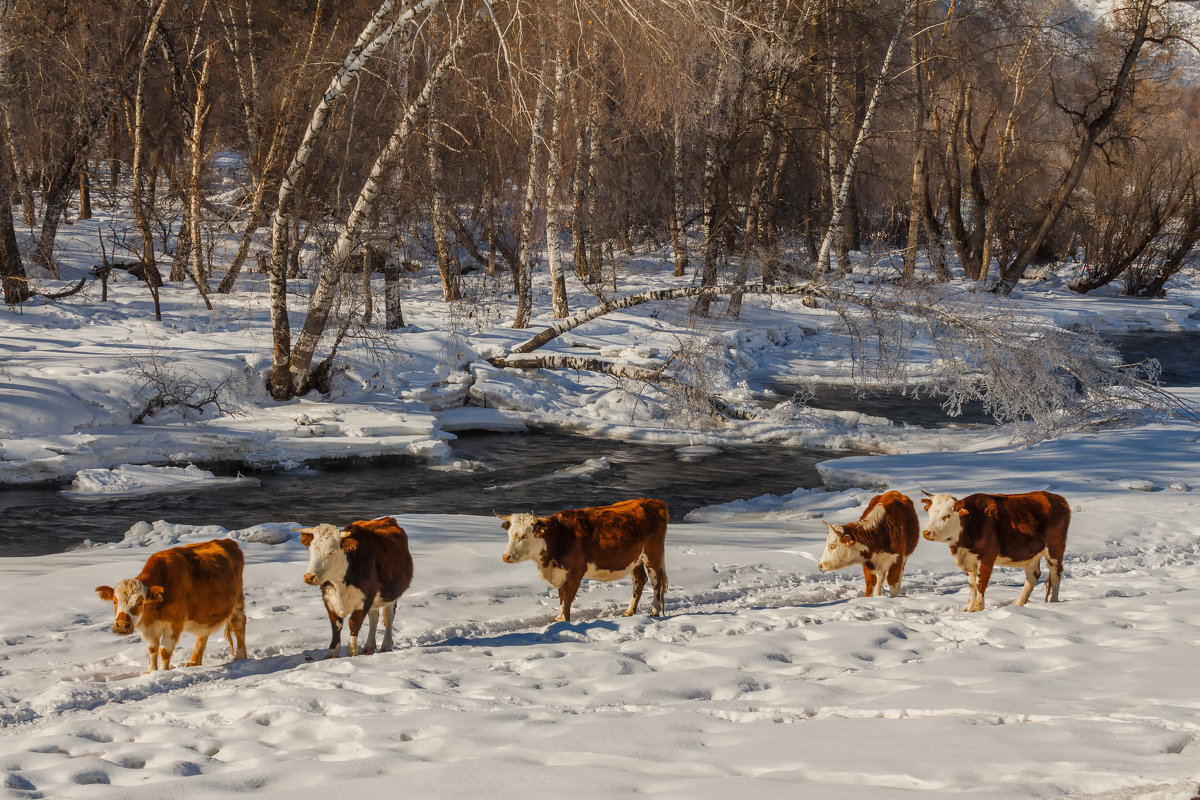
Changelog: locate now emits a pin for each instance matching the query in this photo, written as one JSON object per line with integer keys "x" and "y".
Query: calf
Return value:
{"x": 603, "y": 543}
{"x": 195, "y": 588}
{"x": 882, "y": 540}
{"x": 361, "y": 568}
{"x": 1012, "y": 530}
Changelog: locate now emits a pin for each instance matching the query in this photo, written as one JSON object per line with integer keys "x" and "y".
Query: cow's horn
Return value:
{"x": 305, "y": 530}
{"x": 927, "y": 494}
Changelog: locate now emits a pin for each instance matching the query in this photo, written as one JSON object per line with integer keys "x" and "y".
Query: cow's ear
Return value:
{"x": 540, "y": 526}
{"x": 156, "y": 593}
{"x": 847, "y": 539}
{"x": 106, "y": 593}
{"x": 349, "y": 543}
{"x": 505, "y": 524}
{"x": 306, "y": 537}
{"x": 925, "y": 501}
{"x": 962, "y": 512}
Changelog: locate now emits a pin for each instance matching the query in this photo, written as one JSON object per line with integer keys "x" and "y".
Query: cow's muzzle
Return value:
{"x": 310, "y": 578}
{"x": 123, "y": 625}
{"x": 507, "y": 559}
{"x": 927, "y": 535}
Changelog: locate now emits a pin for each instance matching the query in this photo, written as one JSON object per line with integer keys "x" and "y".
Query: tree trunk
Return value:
{"x": 579, "y": 241}
{"x": 558, "y": 285}
{"x": 324, "y": 293}
{"x": 710, "y": 193}
{"x": 13, "y": 281}
{"x": 1062, "y": 194}
{"x": 392, "y": 294}
{"x": 847, "y": 177}
{"x": 196, "y": 156}
{"x": 138, "y": 206}
{"x": 595, "y": 241}
{"x": 448, "y": 266}
{"x": 374, "y": 36}
{"x": 678, "y": 206}
{"x": 532, "y": 189}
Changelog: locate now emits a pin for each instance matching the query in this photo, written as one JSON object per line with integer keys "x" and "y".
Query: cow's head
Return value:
{"x": 945, "y": 518}
{"x": 842, "y": 549}
{"x": 327, "y": 548}
{"x": 130, "y": 598}
{"x": 525, "y": 532}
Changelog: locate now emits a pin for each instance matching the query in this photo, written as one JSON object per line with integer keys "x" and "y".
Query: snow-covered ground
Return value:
{"x": 767, "y": 677}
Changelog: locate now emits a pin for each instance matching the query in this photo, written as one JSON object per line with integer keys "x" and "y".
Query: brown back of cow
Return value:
{"x": 377, "y": 551}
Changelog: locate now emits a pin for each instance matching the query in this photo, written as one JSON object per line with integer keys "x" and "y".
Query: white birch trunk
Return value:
{"x": 847, "y": 177}
{"x": 532, "y": 187}
{"x": 558, "y": 284}
{"x": 323, "y": 295}
{"x": 375, "y": 35}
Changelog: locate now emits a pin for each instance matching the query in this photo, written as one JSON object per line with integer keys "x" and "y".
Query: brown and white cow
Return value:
{"x": 361, "y": 569}
{"x": 882, "y": 540}
{"x": 603, "y": 543}
{"x": 1011, "y": 530}
{"x": 195, "y": 588}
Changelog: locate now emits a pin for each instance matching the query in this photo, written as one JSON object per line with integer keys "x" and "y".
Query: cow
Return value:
{"x": 604, "y": 543}
{"x": 1012, "y": 530}
{"x": 882, "y": 540}
{"x": 195, "y": 588}
{"x": 361, "y": 569}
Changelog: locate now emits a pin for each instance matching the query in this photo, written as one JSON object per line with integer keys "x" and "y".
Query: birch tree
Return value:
{"x": 375, "y": 35}
{"x": 842, "y": 189}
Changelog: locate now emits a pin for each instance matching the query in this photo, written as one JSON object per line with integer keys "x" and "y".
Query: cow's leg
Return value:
{"x": 871, "y": 579}
{"x": 566, "y": 595}
{"x": 658, "y": 582}
{"x": 335, "y": 642}
{"x": 1033, "y": 571}
{"x": 639, "y": 583}
{"x": 372, "y": 624}
{"x": 973, "y": 580}
{"x": 152, "y": 646}
{"x": 356, "y": 621}
{"x": 167, "y": 647}
{"x": 1053, "y": 578}
{"x": 984, "y": 575}
{"x": 895, "y": 576}
{"x": 235, "y": 629}
{"x": 389, "y": 616}
{"x": 198, "y": 651}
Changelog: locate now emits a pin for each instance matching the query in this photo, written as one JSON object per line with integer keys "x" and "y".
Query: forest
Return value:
{"x": 768, "y": 143}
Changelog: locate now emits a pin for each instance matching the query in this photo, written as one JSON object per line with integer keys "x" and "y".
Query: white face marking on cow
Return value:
{"x": 839, "y": 554}
{"x": 129, "y": 602}
{"x": 944, "y": 523}
{"x": 326, "y": 560}
{"x": 523, "y": 543}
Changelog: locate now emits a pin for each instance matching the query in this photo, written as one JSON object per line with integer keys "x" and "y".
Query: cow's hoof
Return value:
{"x": 628, "y": 613}
{"x": 194, "y": 664}
{"x": 387, "y": 648}
{"x": 367, "y": 651}
{"x": 332, "y": 654}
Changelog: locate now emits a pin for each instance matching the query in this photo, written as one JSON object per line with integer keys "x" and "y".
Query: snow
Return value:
{"x": 767, "y": 678}
{"x": 129, "y": 480}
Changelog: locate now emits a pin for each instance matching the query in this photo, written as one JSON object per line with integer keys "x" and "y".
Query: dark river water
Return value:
{"x": 538, "y": 472}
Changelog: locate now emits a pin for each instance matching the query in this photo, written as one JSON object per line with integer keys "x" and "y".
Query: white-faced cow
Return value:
{"x": 603, "y": 543}
{"x": 1012, "y": 530}
{"x": 195, "y": 588}
{"x": 361, "y": 569}
{"x": 882, "y": 540}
